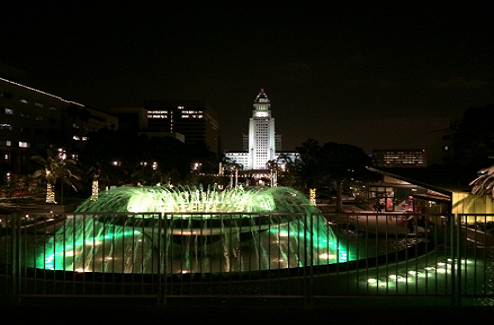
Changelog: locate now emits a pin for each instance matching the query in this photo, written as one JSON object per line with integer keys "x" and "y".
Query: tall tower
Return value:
{"x": 262, "y": 143}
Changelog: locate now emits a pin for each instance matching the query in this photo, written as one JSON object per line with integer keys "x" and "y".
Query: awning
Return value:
{"x": 433, "y": 197}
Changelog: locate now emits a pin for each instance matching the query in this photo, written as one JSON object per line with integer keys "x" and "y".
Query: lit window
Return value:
{"x": 23, "y": 144}
{"x": 8, "y": 111}
{"x": 5, "y": 126}
{"x": 6, "y": 94}
{"x": 38, "y": 104}
{"x": 23, "y": 100}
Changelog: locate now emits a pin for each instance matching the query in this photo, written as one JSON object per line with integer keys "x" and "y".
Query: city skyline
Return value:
{"x": 377, "y": 76}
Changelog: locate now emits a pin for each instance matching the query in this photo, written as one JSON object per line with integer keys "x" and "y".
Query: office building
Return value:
{"x": 261, "y": 144}
{"x": 31, "y": 117}
{"x": 197, "y": 121}
{"x": 400, "y": 158}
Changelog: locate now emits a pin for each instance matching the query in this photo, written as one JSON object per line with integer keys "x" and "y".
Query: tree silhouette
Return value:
{"x": 343, "y": 165}
{"x": 332, "y": 165}
{"x": 56, "y": 166}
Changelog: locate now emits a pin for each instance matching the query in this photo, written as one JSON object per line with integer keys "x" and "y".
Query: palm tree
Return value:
{"x": 97, "y": 169}
{"x": 56, "y": 166}
{"x": 272, "y": 165}
{"x": 307, "y": 170}
{"x": 342, "y": 165}
{"x": 332, "y": 165}
{"x": 483, "y": 185}
{"x": 234, "y": 168}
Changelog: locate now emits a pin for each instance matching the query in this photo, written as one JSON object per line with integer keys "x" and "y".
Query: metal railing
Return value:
{"x": 446, "y": 259}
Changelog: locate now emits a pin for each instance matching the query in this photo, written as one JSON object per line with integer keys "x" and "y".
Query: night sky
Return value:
{"x": 374, "y": 74}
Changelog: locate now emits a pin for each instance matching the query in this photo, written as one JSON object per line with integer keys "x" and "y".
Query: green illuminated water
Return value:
{"x": 195, "y": 229}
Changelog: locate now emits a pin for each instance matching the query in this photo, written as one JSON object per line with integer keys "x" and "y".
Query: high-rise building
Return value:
{"x": 261, "y": 133}
{"x": 192, "y": 122}
{"x": 196, "y": 120}
{"x": 400, "y": 158}
{"x": 262, "y": 144}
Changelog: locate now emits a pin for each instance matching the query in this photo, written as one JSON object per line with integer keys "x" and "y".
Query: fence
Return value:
{"x": 344, "y": 258}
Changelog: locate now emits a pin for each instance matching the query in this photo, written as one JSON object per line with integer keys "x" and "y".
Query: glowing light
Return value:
{"x": 149, "y": 201}
{"x": 312, "y": 196}
{"x": 50, "y": 193}
{"x": 94, "y": 190}
{"x": 91, "y": 243}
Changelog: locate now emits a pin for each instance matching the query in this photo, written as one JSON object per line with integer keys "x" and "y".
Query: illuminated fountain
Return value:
{"x": 196, "y": 230}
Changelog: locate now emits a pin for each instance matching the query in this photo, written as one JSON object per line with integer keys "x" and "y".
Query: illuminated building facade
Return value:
{"x": 30, "y": 117}
{"x": 261, "y": 147}
{"x": 196, "y": 120}
{"x": 261, "y": 144}
{"x": 400, "y": 158}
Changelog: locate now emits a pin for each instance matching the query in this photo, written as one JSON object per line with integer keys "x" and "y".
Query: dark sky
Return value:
{"x": 375, "y": 74}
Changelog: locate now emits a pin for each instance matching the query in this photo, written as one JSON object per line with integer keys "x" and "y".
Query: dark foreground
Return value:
{"x": 124, "y": 313}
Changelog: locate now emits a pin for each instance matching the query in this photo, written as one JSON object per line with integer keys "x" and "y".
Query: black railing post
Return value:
{"x": 454, "y": 242}
{"x": 161, "y": 259}
{"x": 15, "y": 231}
{"x": 456, "y": 263}
{"x": 309, "y": 260}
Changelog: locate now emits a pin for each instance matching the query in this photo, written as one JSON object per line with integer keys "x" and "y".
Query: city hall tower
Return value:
{"x": 262, "y": 136}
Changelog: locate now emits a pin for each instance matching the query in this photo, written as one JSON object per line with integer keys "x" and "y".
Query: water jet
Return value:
{"x": 195, "y": 229}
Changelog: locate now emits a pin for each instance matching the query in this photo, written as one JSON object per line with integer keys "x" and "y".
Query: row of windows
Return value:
{"x": 21, "y": 144}
{"x": 157, "y": 116}
{"x": 22, "y": 129}
{"x": 192, "y": 116}
{"x": 165, "y": 116}
{"x": 24, "y": 100}
{"x": 10, "y": 111}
